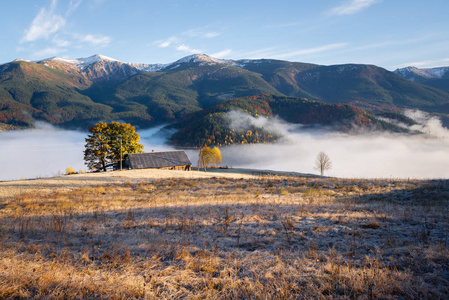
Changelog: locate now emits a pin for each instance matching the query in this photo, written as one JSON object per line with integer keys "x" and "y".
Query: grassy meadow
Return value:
{"x": 263, "y": 237}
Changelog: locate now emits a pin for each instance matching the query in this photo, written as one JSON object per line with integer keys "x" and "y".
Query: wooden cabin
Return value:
{"x": 168, "y": 160}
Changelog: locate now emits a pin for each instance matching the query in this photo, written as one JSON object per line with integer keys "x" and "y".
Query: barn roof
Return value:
{"x": 158, "y": 159}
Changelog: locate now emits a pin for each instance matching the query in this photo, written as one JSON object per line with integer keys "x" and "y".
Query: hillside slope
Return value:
{"x": 79, "y": 93}
{"x": 247, "y": 120}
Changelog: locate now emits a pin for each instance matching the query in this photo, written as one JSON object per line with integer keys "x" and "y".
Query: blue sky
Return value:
{"x": 387, "y": 33}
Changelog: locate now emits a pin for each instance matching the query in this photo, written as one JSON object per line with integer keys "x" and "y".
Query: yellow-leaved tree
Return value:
{"x": 216, "y": 156}
{"x": 108, "y": 143}
{"x": 208, "y": 157}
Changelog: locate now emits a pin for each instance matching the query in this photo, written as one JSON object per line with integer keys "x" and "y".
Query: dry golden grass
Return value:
{"x": 266, "y": 237}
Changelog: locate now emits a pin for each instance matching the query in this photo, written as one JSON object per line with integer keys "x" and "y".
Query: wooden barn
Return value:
{"x": 168, "y": 160}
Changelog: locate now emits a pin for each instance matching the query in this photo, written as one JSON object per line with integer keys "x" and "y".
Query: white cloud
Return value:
{"x": 199, "y": 32}
{"x": 211, "y": 34}
{"x": 185, "y": 48}
{"x": 312, "y": 50}
{"x": 222, "y": 53}
{"x": 425, "y": 63}
{"x": 352, "y": 7}
{"x": 400, "y": 42}
{"x": 48, "y": 25}
{"x": 94, "y": 39}
{"x": 167, "y": 42}
{"x": 44, "y": 24}
{"x": 61, "y": 43}
{"x": 74, "y": 4}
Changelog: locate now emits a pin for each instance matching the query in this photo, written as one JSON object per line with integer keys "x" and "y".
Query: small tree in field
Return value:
{"x": 108, "y": 143}
{"x": 216, "y": 156}
{"x": 209, "y": 156}
{"x": 322, "y": 163}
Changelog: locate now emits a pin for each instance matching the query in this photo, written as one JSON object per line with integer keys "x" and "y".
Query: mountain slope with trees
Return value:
{"x": 234, "y": 122}
{"x": 79, "y": 93}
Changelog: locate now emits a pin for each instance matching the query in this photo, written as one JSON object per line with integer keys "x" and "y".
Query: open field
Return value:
{"x": 199, "y": 235}
{"x": 12, "y": 188}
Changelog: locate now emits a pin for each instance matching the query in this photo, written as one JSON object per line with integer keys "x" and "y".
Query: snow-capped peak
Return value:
{"x": 203, "y": 58}
{"x": 19, "y": 59}
{"x": 409, "y": 72}
{"x": 93, "y": 59}
{"x": 81, "y": 63}
{"x": 438, "y": 72}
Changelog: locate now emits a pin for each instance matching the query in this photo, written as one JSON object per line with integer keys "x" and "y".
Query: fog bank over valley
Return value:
{"x": 48, "y": 151}
{"x": 373, "y": 155}
{"x": 40, "y": 152}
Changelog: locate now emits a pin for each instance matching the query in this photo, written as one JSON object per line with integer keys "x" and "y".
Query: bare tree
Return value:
{"x": 322, "y": 163}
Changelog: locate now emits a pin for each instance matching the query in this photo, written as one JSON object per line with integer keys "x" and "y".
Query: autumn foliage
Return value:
{"x": 208, "y": 156}
{"x": 108, "y": 143}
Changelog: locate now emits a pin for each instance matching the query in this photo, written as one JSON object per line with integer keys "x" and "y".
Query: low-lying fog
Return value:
{"x": 47, "y": 151}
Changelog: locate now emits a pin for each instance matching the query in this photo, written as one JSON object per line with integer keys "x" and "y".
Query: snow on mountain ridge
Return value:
{"x": 201, "y": 59}
{"x": 81, "y": 63}
{"x": 438, "y": 72}
{"x": 148, "y": 67}
{"x": 410, "y": 72}
{"x": 95, "y": 58}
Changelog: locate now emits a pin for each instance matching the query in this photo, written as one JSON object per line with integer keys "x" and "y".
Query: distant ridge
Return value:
{"x": 434, "y": 77}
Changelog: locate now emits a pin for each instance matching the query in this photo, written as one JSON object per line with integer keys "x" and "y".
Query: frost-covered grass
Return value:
{"x": 270, "y": 237}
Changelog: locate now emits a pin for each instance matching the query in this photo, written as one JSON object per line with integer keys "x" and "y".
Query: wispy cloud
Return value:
{"x": 50, "y": 26}
{"x": 398, "y": 42}
{"x": 222, "y": 54}
{"x": 96, "y": 40}
{"x": 352, "y": 7}
{"x": 45, "y": 24}
{"x": 181, "y": 41}
{"x": 312, "y": 50}
{"x": 425, "y": 63}
{"x": 61, "y": 42}
{"x": 73, "y": 6}
{"x": 185, "y": 48}
{"x": 177, "y": 43}
{"x": 167, "y": 42}
{"x": 201, "y": 32}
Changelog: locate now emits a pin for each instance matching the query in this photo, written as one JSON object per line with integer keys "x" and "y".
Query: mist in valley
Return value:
{"x": 41, "y": 152}
{"x": 47, "y": 151}
{"x": 371, "y": 155}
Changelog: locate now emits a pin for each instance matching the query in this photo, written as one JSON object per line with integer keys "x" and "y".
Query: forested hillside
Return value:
{"x": 216, "y": 126}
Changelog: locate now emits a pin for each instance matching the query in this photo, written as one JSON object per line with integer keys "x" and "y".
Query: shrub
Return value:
{"x": 70, "y": 171}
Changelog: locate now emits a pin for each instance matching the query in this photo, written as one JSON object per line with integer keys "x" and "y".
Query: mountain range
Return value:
{"x": 80, "y": 92}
